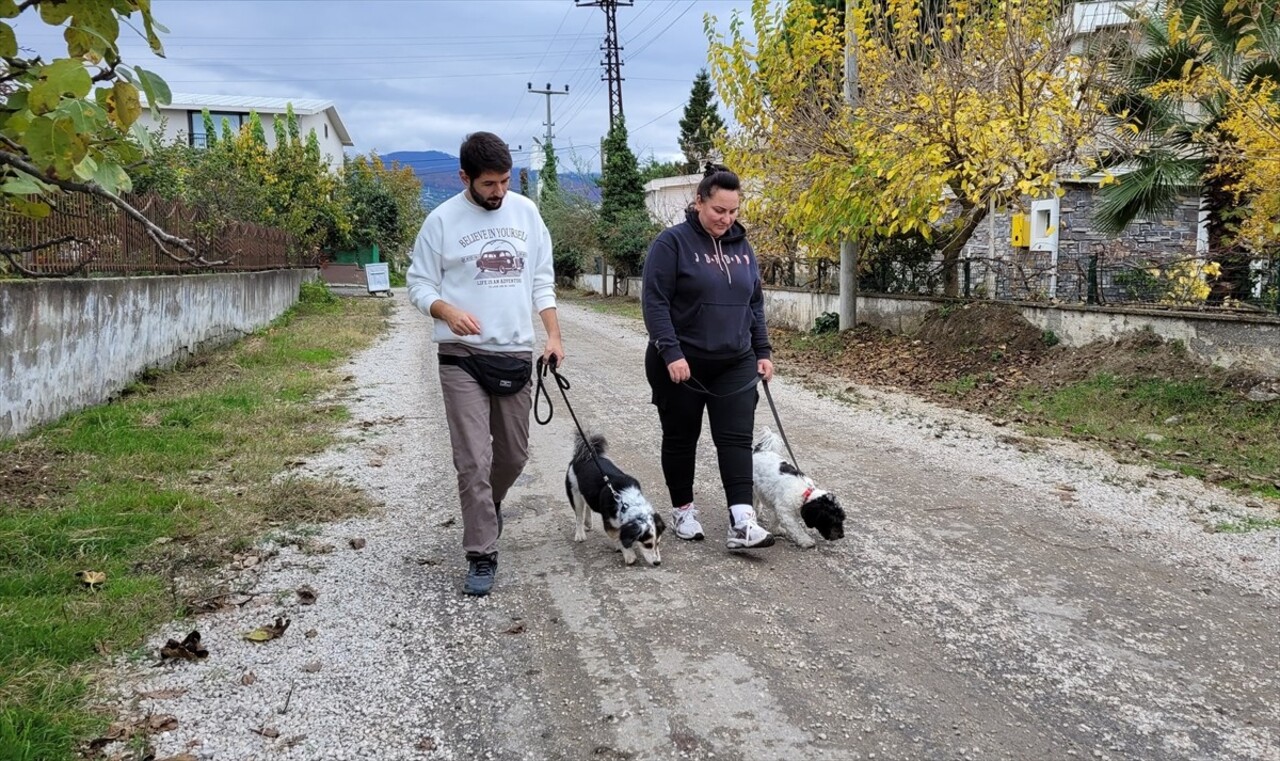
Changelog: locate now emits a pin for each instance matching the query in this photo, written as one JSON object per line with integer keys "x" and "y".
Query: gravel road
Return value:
{"x": 995, "y": 597}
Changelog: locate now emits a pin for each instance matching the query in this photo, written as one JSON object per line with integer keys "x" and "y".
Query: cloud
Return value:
{"x": 419, "y": 75}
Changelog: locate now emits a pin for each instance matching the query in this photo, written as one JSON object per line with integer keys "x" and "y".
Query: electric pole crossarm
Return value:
{"x": 549, "y": 92}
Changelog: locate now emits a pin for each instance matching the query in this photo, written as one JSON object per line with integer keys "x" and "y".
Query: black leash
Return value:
{"x": 701, "y": 389}
{"x": 778, "y": 420}
{"x": 563, "y": 383}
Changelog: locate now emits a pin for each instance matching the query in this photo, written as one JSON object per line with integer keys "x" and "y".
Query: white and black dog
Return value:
{"x": 628, "y": 517}
{"x": 791, "y": 496}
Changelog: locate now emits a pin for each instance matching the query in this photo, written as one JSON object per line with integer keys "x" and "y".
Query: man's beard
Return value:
{"x": 483, "y": 202}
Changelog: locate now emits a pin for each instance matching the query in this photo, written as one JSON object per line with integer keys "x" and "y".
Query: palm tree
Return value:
{"x": 1177, "y": 135}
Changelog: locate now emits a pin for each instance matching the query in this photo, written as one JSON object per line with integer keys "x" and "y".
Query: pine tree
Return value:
{"x": 548, "y": 176}
{"x": 625, "y": 227}
{"x": 700, "y": 124}
{"x": 621, "y": 188}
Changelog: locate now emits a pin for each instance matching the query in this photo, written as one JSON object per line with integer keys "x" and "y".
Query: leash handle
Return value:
{"x": 540, "y": 391}
{"x": 778, "y": 420}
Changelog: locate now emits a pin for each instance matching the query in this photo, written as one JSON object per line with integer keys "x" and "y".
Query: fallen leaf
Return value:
{"x": 312, "y": 667}
{"x": 162, "y": 722}
{"x": 168, "y": 693}
{"x": 357, "y": 543}
{"x": 269, "y": 632}
{"x": 189, "y": 649}
{"x": 248, "y": 678}
{"x": 311, "y": 634}
{"x": 179, "y": 757}
{"x": 427, "y": 743}
{"x": 271, "y": 732}
{"x": 317, "y": 547}
{"x": 428, "y": 561}
{"x": 447, "y": 521}
{"x": 515, "y": 628}
{"x": 91, "y": 579}
{"x": 306, "y": 595}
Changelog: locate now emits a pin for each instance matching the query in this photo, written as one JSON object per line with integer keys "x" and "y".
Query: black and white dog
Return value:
{"x": 790, "y": 496}
{"x": 628, "y": 517}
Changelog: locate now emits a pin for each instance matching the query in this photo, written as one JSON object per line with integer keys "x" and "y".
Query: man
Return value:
{"x": 481, "y": 267}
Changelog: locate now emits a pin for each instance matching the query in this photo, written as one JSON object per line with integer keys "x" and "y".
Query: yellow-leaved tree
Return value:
{"x": 960, "y": 103}
{"x": 1248, "y": 153}
{"x": 1252, "y": 159}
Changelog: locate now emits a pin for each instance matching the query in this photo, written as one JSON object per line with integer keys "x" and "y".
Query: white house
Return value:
{"x": 666, "y": 198}
{"x": 182, "y": 118}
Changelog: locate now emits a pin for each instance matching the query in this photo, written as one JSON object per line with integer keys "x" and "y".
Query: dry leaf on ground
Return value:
{"x": 91, "y": 579}
{"x": 269, "y": 632}
{"x": 189, "y": 649}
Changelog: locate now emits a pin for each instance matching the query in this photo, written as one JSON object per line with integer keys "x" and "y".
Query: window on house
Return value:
{"x": 195, "y": 120}
{"x": 326, "y": 132}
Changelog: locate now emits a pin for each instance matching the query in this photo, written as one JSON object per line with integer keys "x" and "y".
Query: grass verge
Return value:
{"x": 1201, "y": 427}
{"x": 174, "y": 476}
{"x": 623, "y": 306}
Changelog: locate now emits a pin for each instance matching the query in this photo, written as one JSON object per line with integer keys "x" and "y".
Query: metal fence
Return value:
{"x": 86, "y": 234}
{"x": 1176, "y": 282}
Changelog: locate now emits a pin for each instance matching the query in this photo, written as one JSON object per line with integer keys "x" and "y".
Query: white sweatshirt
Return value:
{"x": 496, "y": 265}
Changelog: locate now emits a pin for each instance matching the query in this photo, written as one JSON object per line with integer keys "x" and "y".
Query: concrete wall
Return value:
{"x": 1224, "y": 340}
{"x": 70, "y": 344}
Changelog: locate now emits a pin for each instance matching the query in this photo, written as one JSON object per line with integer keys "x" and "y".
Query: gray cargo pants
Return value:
{"x": 490, "y": 439}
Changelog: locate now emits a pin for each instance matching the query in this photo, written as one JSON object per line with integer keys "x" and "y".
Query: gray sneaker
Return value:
{"x": 748, "y": 534}
{"x": 481, "y": 571}
{"x": 685, "y": 522}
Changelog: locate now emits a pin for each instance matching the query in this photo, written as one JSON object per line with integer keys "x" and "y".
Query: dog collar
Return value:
{"x": 805, "y": 497}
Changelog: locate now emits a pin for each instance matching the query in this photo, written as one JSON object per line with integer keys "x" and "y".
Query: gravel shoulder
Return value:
{"x": 995, "y": 597}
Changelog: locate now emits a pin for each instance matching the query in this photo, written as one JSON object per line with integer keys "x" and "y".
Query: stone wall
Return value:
{"x": 1023, "y": 274}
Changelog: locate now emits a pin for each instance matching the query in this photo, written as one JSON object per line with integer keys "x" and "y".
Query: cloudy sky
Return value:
{"x": 419, "y": 74}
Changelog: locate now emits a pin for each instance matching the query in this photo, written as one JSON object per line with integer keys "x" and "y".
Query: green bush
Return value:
{"x": 316, "y": 292}
{"x": 827, "y": 322}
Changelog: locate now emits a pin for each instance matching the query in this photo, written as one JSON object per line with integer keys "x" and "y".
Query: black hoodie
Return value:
{"x": 702, "y": 295}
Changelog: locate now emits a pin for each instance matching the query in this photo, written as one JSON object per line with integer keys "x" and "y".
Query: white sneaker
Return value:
{"x": 685, "y": 522}
{"x": 748, "y": 534}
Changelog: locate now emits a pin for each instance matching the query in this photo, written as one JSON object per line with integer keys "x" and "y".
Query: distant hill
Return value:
{"x": 438, "y": 173}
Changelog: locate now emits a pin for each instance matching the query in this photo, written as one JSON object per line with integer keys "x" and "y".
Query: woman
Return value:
{"x": 708, "y": 344}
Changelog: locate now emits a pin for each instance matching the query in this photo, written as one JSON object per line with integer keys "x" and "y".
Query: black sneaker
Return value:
{"x": 481, "y": 571}
{"x": 498, "y": 507}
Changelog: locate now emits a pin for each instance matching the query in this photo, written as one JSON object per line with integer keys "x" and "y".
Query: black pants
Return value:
{"x": 732, "y": 422}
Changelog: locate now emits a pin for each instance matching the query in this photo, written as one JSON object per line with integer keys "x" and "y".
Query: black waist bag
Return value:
{"x": 499, "y": 375}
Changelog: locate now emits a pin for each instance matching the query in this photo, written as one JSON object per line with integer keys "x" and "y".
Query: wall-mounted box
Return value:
{"x": 1020, "y": 234}
{"x": 1044, "y": 225}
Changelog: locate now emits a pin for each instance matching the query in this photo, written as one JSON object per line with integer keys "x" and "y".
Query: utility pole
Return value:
{"x": 849, "y": 246}
{"x": 548, "y": 136}
{"x": 612, "y": 52}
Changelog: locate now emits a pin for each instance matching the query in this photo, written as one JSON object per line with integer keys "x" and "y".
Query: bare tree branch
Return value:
{"x": 12, "y": 253}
